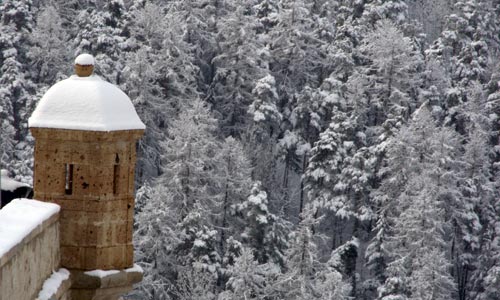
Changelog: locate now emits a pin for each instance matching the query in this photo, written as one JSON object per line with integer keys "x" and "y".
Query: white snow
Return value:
{"x": 348, "y": 144}
{"x": 289, "y": 139}
{"x": 85, "y": 103}
{"x": 258, "y": 116}
{"x": 52, "y": 284}
{"x": 9, "y": 52}
{"x": 84, "y": 60}
{"x": 101, "y": 273}
{"x": 199, "y": 243}
{"x": 135, "y": 268}
{"x": 303, "y": 149}
{"x": 19, "y": 218}
{"x": 261, "y": 219}
{"x": 7, "y": 183}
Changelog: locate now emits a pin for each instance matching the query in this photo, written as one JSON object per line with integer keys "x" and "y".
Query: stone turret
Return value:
{"x": 86, "y": 131}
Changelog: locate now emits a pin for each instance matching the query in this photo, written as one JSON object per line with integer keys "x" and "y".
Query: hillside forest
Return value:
{"x": 295, "y": 149}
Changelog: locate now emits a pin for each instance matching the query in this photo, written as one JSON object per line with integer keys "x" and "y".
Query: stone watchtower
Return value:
{"x": 86, "y": 131}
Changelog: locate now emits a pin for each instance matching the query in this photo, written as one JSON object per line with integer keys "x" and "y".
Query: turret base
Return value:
{"x": 103, "y": 285}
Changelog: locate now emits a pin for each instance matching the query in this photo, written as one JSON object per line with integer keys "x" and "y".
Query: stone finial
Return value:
{"x": 84, "y": 65}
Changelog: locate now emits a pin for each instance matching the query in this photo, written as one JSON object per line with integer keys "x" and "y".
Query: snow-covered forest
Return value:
{"x": 295, "y": 149}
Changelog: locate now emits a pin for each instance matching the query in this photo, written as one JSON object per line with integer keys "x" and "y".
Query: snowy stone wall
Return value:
{"x": 29, "y": 249}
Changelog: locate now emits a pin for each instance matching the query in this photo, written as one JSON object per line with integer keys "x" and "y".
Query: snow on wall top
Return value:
{"x": 104, "y": 273}
{"x": 19, "y": 218}
{"x": 9, "y": 184}
{"x": 85, "y": 103}
{"x": 84, "y": 60}
{"x": 52, "y": 284}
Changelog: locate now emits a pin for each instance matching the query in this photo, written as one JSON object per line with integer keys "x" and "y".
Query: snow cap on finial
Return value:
{"x": 84, "y": 65}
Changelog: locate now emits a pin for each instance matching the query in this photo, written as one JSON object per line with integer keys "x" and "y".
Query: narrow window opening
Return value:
{"x": 116, "y": 178}
{"x": 68, "y": 171}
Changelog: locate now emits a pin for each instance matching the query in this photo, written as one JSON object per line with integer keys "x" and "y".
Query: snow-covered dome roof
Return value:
{"x": 85, "y": 103}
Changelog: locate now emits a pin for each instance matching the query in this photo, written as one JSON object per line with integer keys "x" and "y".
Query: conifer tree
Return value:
{"x": 463, "y": 50}
{"x": 304, "y": 276}
{"x": 235, "y": 183}
{"x": 249, "y": 279}
{"x": 394, "y": 10}
{"x": 49, "y": 53}
{"x": 187, "y": 202}
{"x": 324, "y": 179}
{"x": 17, "y": 87}
{"x": 101, "y": 32}
{"x": 417, "y": 244}
{"x": 264, "y": 129}
{"x": 237, "y": 66}
{"x": 265, "y": 233}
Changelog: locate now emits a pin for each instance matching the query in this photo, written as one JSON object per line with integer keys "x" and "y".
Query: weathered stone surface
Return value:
{"x": 97, "y": 209}
{"x": 82, "y": 280}
{"x": 96, "y": 217}
{"x": 24, "y": 269}
{"x": 112, "y": 286}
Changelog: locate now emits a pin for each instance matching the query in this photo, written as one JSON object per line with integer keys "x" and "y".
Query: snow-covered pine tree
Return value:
{"x": 195, "y": 284}
{"x": 477, "y": 193}
{"x": 235, "y": 183}
{"x": 344, "y": 259}
{"x": 189, "y": 160}
{"x": 156, "y": 240}
{"x": 158, "y": 90}
{"x": 418, "y": 245}
{"x": 241, "y": 60}
{"x": 303, "y": 59}
{"x": 267, "y": 12}
{"x": 394, "y": 10}
{"x": 141, "y": 76}
{"x": 480, "y": 187}
{"x": 429, "y": 15}
{"x": 100, "y": 30}
{"x": 475, "y": 187}
{"x": 492, "y": 105}
{"x": 264, "y": 111}
{"x": 265, "y": 233}
{"x": 402, "y": 150}
{"x": 249, "y": 279}
{"x": 7, "y": 132}
{"x": 486, "y": 276}
{"x": 487, "y": 273}
{"x": 311, "y": 115}
{"x": 49, "y": 53}
{"x": 187, "y": 202}
{"x": 464, "y": 50}
{"x": 326, "y": 186}
{"x": 390, "y": 76}
{"x": 421, "y": 213}
{"x": 17, "y": 92}
{"x": 304, "y": 276}
{"x": 383, "y": 95}
{"x": 264, "y": 128}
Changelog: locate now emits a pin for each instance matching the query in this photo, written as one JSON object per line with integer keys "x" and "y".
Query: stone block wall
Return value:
{"x": 25, "y": 266}
{"x": 97, "y": 212}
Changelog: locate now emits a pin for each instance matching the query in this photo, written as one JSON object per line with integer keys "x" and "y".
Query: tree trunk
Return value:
{"x": 301, "y": 200}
